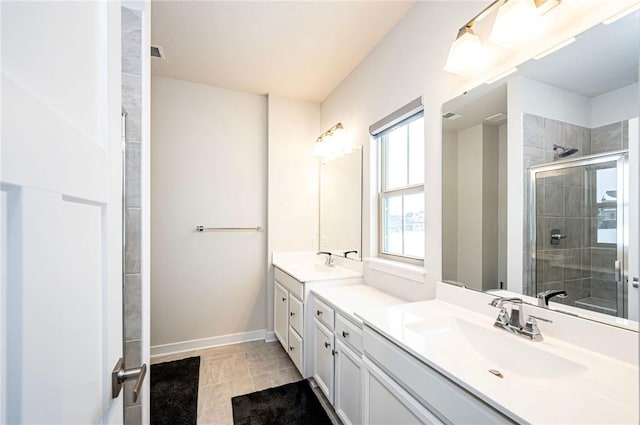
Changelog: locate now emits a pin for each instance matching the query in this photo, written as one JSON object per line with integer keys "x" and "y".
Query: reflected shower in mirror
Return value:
{"x": 537, "y": 172}
{"x": 341, "y": 205}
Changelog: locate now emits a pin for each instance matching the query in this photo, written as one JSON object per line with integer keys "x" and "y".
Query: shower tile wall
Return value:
{"x": 132, "y": 295}
{"x": 564, "y": 203}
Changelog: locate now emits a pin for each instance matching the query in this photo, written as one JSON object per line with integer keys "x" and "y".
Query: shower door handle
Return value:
{"x": 556, "y": 236}
{"x": 618, "y": 270}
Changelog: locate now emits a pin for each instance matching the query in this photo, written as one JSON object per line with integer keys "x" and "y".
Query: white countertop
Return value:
{"x": 307, "y": 266}
{"x": 357, "y": 299}
{"x": 583, "y": 387}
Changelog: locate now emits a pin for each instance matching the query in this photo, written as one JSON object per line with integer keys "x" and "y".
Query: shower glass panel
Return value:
{"x": 579, "y": 236}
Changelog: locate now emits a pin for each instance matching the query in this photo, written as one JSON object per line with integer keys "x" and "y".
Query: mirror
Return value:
{"x": 341, "y": 205}
{"x": 536, "y": 178}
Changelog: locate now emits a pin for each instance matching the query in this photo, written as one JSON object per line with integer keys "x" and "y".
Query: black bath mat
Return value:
{"x": 290, "y": 404}
{"x": 174, "y": 392}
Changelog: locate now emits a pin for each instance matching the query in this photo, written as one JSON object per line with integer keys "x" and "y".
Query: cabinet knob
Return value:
{"x": 318, "y": 313}
{"x": 334, "y": 352}
{"x": 284, "y": 298}
{"x": 345, "y": 334}
{"x": 292, "y": 314}
{"x": 327, "y": 345}
{"x": 291, "y": 348}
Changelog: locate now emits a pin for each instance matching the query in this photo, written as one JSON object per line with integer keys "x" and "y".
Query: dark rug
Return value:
{"x": 290, "y": 404}
{"x": 174, "y": 392}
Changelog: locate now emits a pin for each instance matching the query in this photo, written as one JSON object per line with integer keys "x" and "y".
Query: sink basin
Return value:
{"x": 488, "y": 348}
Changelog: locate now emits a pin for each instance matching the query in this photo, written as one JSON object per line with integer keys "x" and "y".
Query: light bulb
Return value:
{"x": 517, "y": 22}
{"x": 466, "y": 54}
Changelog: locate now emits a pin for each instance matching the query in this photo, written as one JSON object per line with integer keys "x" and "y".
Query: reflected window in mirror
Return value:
{"x": 401, "y": 196}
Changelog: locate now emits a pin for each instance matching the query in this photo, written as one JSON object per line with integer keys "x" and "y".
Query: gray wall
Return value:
{"x": 132, "y": 296}
{"x": 566, "y": 201}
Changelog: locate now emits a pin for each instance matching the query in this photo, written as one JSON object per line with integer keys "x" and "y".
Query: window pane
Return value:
{"x": 392, "y": 225}
{"x": 396, "y": 158}
{"x": 414, "y": 225}
{"x": 416, "y": 152}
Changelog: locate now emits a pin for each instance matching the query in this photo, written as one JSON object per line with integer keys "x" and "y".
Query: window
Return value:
{"x": 401, "y": 196}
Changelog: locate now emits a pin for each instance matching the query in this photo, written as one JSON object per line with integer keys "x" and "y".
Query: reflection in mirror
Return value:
{"x": 341, "y": 205}
{"x": 474, "y": 189}
{"x": 564, "y": 157}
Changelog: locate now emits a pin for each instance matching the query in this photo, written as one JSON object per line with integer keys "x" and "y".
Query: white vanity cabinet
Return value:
{"x": 434, "y": 396}
{"x": 338, "y": 360}
{"x": 386, "y": 402}
{"x": 289, "y": 316}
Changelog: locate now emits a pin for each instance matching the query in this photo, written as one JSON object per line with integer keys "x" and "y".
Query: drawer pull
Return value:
{"x": 334, "y": 352}
{"x": 327, "y": 345}
{"x": 292, "y": 314}
{"x": 318, "y": 313}
{"x": 345, "y": 334}
{"x": 291, "y": 348}
{"x": 284, "y": 298}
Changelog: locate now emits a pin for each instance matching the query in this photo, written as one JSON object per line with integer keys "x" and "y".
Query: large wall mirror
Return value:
{"x": 341, "y": 205}
{"x": 540, "y": 178}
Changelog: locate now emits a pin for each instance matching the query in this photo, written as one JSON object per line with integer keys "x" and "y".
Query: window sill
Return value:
{"x": 395, "y": 268}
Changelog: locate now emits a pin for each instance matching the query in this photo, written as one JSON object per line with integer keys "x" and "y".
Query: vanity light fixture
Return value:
{"x": 516, "y": 22}
{"x": 332, "y": 144}
{"x": 554, "y": 48}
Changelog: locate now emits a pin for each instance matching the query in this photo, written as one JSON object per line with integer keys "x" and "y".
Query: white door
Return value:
{"x": 60, "y": 181}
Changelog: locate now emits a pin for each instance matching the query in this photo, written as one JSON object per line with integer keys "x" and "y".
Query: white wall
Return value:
{"x": 406, "y": 64}
{"x": 617, "y": 105}
{"x": 470, "y": 211}
{"x": 450, "y": 204}
{"x": 208, "y": 167}
{"x": 293, "y": 127}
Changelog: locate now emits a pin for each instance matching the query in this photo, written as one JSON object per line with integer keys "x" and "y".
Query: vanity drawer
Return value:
{"x": 349, "y": 332}
{"x": 296, "y": 315}
{"x": 435, "y": 391}
{"x": 294, "y": 286}
{"x": 324, "y": 313}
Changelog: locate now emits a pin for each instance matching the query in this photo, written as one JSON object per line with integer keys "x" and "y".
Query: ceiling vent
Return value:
{"x": 451, "y": 116}
{"x": 499, "y": 117}
{"x": 156, "y": 52}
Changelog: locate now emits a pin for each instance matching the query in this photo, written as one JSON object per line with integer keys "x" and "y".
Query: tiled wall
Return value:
{"x": 132, "y": 104}
{"x": 578, "y": 264}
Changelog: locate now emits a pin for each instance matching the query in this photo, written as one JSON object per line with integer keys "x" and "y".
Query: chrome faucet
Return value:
{"x": 512, "y": 320}
{"x": 329, "y": 260}
{"x": 544, "y": 297}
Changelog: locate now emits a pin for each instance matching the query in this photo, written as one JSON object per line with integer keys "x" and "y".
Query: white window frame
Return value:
{"x": 384, "y": 193}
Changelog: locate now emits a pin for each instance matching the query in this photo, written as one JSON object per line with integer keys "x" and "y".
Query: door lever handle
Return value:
{"x": 119, "y": 375}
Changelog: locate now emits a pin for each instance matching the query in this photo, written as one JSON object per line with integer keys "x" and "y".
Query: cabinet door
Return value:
{"x": 295, "y": 348}
{"x": 385, "y": 402}
{"x": 281, "y": 315}
{"x": 348, "y": 384}
{"x": 323, "y": 359}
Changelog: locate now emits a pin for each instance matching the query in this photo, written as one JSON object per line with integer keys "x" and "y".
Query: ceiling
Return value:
{"x": 601, "y": 59}
{"x": 300, "y": 49}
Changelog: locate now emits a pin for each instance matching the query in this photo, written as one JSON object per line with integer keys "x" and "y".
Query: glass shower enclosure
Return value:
{"x": 579, "y": 231}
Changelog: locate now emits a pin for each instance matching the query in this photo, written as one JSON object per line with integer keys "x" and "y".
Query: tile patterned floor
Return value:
{"x": 233, "y": 370}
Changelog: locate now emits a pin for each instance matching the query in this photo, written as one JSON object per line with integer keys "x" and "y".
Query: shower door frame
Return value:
{"x": 621, "y": 157}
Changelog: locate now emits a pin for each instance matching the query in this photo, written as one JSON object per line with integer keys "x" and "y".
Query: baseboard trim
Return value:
{"x": 216, "y": 341}
{"x": 270, "y": 336}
